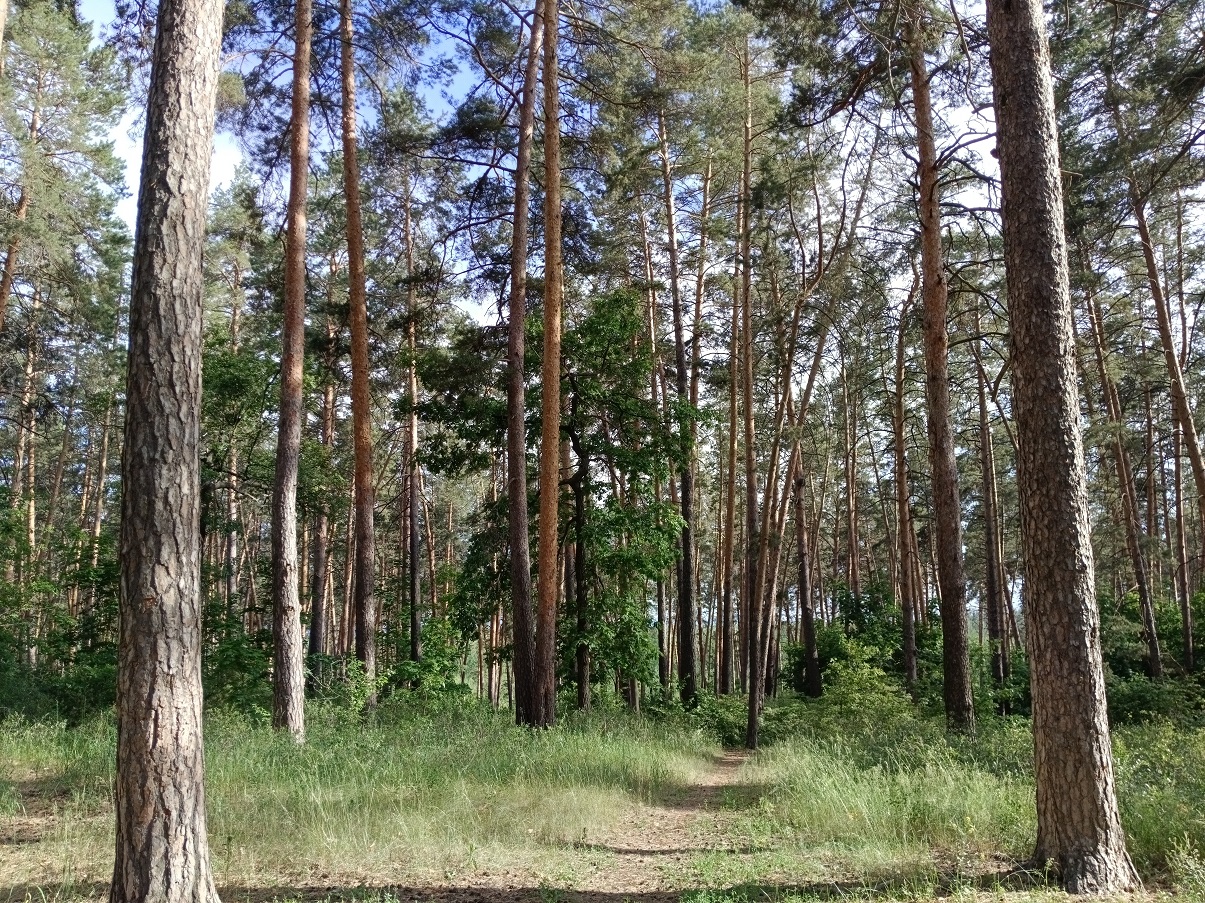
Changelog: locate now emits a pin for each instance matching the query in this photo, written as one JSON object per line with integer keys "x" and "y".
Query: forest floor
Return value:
{"x": 472, "y": 810}
{"x": 691, "y": 842}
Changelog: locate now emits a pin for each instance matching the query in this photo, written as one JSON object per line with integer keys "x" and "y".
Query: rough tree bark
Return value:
{"x": 1078, "y": 825}
{"x": 288, "y": 672}
{"x": 162, "y": 848}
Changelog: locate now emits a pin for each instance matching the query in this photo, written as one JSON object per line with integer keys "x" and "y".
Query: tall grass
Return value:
{"x": 415, "y": 792}
{"x": 864, "y": 780}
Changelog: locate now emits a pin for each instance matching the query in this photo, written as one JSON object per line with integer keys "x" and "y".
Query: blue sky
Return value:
{"x": 128, "y": 143}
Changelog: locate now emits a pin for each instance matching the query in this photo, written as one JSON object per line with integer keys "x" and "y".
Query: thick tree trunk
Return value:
{"x": 1078, "y": 825}
{"x": 947, "y": 508}
{"x": 523, "y": 622}
{"x": 162, "y": 848}
{"x": 288, "y": 672}
{"x": 548, "y": 561}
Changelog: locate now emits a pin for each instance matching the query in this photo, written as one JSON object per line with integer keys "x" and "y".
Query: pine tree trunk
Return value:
{"x": 688, "y": 685}
{"x": 903, "y": 499}
{"x": 749, "y": 595}
{"x": 727, "y": 682}
{"x": 1129, "y": 494}
{"x": 522, "y": 621}
{"x": 288, "y": 671}
{"x": 811, "y": 659}
{"x": 993, "y": 591}
{"x": 947, "y": 508}
{"x": 1183, "y": 590}
{"x": 548, "y": 559}
{"x": 162, "y": 848}
{"x": 1078, "y": 825}
{"x": 410, "y": 493}
{"x": 361, "y": 397}
{"x": 320, "y": 548}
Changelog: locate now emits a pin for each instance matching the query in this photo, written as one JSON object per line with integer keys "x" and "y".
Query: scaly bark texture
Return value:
{"x": 947, "y": 508}
{"x": 1078, "y": 825}
{"x": 288, "y": 669}
{"x": 162, "y": 849}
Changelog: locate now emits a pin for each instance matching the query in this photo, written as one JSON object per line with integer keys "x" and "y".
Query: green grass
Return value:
{"x": 857, "y": 797}
{"x": 419, "y": 792}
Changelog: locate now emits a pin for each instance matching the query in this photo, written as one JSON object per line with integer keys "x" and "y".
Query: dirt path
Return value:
{"x": 647, "y": 853}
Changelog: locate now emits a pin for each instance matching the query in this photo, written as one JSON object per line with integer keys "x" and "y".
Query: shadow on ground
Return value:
{"x": 886, "y": 887}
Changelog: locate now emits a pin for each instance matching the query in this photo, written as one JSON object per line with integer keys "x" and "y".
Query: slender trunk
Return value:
{"x": 3, "y": 24}
{"x": 9, "y": 273}
{"x": 728, "y": 655}
{"x": 688, "y": 685}
{"x": 550, "y": 441}
{"x": 1179, "y": 396}
{"x": 580, "y": 596}
{"x": 410, "y": 496}
{"x": 947, "y": 509}
{"x": 853, "y": 571}
{"x": 319, "y": 569}
{"x": 288, "y": 685}
{"x": 361, "y": 397}
{"x": 903, "y": 499}
{"x": 1182, "y": 586}
{"x": 811, "y": 658}
{"x": 993, "y": 591}
{"x": 1129, "y": 494}
{"x": 749, "y": 598}
{"x": 523, "y": 622}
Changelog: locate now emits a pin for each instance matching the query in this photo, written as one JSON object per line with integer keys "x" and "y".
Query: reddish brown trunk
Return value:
{"x": 361, "y": 398}
{"x": 550, "y": 441}
{"x": 288, "y": 689}
{"x": 947, "y": 508}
